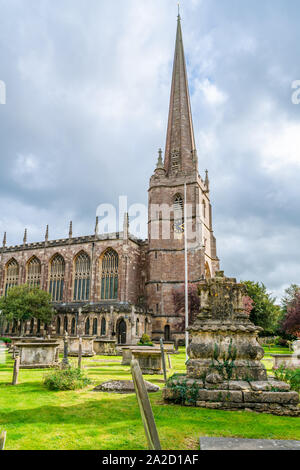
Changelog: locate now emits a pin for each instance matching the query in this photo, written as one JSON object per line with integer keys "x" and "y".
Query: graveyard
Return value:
{"x": 36, "y": 418}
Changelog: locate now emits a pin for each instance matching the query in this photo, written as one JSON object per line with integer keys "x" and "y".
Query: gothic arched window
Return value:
{"x": 12, "y": 274}
{"x": 87, "y": 326}
{"x": 137, "y": 327}
{"x": 31, "y": 326}
{"x": 34, "y": 269}
{"x": 109, "y": 275}
{"x": 82, "y": 277}
{"x": 95, "y": 326}
{"x": 65, "y": 324}
{"x": 57, "y": 275}
{"x": 58, "y": 326}
{"x": 103, "y": 327}
{"x": 178, "y": 214}
{"x": 73, "y": 326}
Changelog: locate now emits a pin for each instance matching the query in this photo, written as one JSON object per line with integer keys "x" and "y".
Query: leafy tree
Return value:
{"x": 24, "y": 302}
{"x": 287, "y": 299}
{"x": 291, "y": 323}
{"x": 264, "y": 312}
{"x": 289, "y": 296}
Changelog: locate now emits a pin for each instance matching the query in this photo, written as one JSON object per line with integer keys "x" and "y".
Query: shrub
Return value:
{"x": 66, "y": 379}
{"x": 145, "y": 341}
{"x": 5, "y": 340}
{"x": 291, "y": 376}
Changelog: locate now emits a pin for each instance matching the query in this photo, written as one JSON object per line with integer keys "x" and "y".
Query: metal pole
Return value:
{"x": 186, "y": 275}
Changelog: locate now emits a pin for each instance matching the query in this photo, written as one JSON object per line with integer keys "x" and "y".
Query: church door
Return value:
{"x": 122, "y": 332}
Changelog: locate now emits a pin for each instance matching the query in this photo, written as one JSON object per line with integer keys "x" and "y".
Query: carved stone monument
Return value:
{"x": 224, "y": 369}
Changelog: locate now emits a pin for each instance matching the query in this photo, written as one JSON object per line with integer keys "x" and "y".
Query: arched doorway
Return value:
{"x": 167, "y": 333}
{"x": 121, "y": 331}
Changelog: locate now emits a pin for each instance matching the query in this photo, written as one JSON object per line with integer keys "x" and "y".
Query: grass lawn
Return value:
{"x": 38, "y": 419}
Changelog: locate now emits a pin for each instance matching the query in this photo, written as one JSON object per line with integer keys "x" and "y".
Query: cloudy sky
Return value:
{"x": 88, "y": 86}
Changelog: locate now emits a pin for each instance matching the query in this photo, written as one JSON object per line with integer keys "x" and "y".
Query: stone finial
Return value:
{"x": 160, "y": 164}
{"x": 71, "y": 229}
{"x": 126, "y": 226}
{"x": 25, "y": 237}
{"x": 97, "y": 226}
{"x": 206, "y": 180}
{"x": 4, "y": 240}
{"x": 47, "y": 233}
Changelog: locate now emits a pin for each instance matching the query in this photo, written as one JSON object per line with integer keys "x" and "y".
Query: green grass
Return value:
{"x": 36, "y": 418}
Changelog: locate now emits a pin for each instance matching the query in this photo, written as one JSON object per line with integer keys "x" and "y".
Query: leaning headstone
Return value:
{"x": 2, "y": 440}
{"x": 145, "y": 407}
{"x": 79, "y": 352}
{"x": 163, "y": 359}
{"x": 170, "y": 362}
{"x": 16, "y": 370}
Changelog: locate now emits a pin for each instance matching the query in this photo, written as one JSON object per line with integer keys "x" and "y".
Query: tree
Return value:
{"x": 289, "y": 297}
{"x": 193, "y": 303}
{"x": 264, "y": 312}
{"x": 291, "y": 324}
{"x": 24, "y": 302}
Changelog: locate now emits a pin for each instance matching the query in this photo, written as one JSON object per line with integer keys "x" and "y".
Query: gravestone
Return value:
{"x": 163, "y": 359}
{"x": 224, "y": 370}
{"x": 38, "y": 355}
{"x": 16, "y": 369}
{"x": 145, "y": 407}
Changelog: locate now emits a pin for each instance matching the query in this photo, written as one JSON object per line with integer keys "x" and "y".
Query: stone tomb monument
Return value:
{"x": 38, "y": 355}
{"x": 224, "y": 370}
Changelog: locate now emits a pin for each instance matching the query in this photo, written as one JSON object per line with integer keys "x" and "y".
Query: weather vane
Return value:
{"x": 178, "y": 8}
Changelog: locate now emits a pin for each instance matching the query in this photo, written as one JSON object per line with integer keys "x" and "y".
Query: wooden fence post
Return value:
{"x": 145, "y": 407}
{"x": 16, "y": 370}
{"x": 79, "y": 352}
{"x": 2, "y": 440}
{"x": 163, "y": 358}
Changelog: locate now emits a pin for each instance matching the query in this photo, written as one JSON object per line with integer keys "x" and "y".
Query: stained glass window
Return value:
{"x": 110, "y": 275}
{"x": 82, "y": 277}
{"x": 34, "y": 272}
{"x": 12, "y": 274}
{"x": 57, "y": 276}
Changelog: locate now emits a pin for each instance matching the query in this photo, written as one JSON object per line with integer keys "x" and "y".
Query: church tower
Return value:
{"x": 172, "y": 178}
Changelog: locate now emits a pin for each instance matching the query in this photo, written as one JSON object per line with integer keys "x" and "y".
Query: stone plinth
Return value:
{"x": 87, "y": 346}
{"x": 224, "y": 370}
{"x": 150, "y": 361}
{"x": 38, "y": 355}
{"x": 127, "y": 352}
{"x": 105, "y": 347}
{"x": 287, "y": 360}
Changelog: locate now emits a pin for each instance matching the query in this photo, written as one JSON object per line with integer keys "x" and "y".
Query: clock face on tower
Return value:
{"x": 178, "y": 226}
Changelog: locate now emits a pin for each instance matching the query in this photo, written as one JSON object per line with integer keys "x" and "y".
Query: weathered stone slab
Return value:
{"x": 123, "y": 386}
{"x": 220, "y": 396}
{"x": 220, "y": 443}
{"x": 272, "y": 397}
{"x": 270, "y": 385}
{"x": 239, "y": 385}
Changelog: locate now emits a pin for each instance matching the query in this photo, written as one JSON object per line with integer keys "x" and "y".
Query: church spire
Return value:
{"x": 180, "y": 145}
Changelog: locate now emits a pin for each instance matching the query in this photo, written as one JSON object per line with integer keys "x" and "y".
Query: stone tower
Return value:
{"x": 166, "y": 256}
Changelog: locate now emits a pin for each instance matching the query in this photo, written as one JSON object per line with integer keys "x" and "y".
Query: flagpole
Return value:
{"x": 186, "y": 275}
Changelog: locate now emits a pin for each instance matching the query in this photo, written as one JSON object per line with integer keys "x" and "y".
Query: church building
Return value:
{"x": 115, "y": 286}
